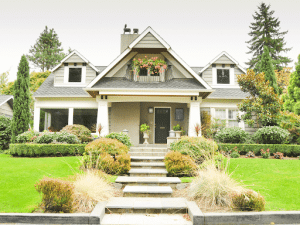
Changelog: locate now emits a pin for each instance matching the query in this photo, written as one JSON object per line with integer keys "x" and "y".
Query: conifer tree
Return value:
{"x": 266, "y": 66}
{"x": 21, "y": 107}
{"x": 292, "y": 99}
{"x": 47, "y": 51}
{"x": 265, "y": 32}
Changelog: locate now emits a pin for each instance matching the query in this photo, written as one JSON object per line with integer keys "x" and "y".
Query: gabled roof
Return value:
{"x": 131, "y": 46}
{"x": 218, "y": 56}
{"x": 5, "y": 98}
{"x": 81, "y": 56}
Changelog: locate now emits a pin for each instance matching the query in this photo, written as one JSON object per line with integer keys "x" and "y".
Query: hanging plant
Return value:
{"x": 154, "y": 64}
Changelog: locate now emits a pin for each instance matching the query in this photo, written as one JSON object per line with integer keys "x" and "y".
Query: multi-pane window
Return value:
{"x": 223, "y": 76}
{"x": 75, "y": 74}
{"x": 228, "y": 115}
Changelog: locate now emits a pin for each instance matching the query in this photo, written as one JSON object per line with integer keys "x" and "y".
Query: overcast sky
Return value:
{"x": 196, "y": 30}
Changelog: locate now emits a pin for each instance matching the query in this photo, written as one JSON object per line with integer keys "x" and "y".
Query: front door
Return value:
{"x": 162, "y": 124}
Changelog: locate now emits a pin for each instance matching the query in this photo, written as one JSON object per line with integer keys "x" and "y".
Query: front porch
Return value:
{"x": 117, "y": 113}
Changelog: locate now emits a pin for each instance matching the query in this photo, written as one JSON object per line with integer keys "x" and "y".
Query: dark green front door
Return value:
{"x": 162, "y": 124}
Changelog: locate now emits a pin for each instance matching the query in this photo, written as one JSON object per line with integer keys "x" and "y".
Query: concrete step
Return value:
{"x": 147, "y": 158}
{"x": 148, "y": 149}
{"x": 147, "y": 153}
{"x": 147, "y": 191}
{"x": 148, "y": 172}
{"x": 146, "y": 205}
{"x": 139, "y": 219}
{"x": 148, "y": 165}
{"x": 148, "y": 181}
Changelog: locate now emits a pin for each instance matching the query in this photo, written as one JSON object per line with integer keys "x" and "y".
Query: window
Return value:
{"x": 75, "y": 74}
{"x": 143, "y": 72}
{"x": 229, "y": 116}
{"x": 223, "y": 76}
{"x": 179, "y": 115}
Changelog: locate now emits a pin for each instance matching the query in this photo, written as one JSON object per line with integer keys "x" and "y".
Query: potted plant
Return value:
{"x": 177, "y": 130}
{"x": 145, "y": 129}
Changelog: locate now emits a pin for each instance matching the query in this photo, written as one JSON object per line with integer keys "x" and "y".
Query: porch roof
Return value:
{"x": 228, "y": 93}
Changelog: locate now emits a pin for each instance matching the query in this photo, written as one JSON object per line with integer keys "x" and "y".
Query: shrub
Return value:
{"x": 265, "y": 154}
{"x": 213, "y": 187}
{"x": 218, "y": 160}
{"x": 179, "y": 165}
{"x": 45, "y": 138}
{"x": 271, "y": 135}
{"x": 89, "y": 189}
{"x": 26, "y": 137}
{"x": 57, "y": 195}
{"x": 198, "y": 148}
{"x": 82, "y": 132}
{"x": 124, "y": 138}
{"x": 110, "y": 146}
{"x": 278, "y": 155}
{"x": 248, "y": 201}
{"x": 5, "y": 132}
{"x": 37, "y": 150}
{"x": 235, "y": 154}
{"x": 68, "y": 138}
{"x": 231, "y": 135}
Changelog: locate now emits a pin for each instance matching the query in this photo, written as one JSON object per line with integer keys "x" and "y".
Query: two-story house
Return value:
{"x": 131, "y": 90}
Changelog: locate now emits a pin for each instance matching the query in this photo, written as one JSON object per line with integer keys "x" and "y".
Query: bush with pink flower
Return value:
{"x": 154, "y": 65}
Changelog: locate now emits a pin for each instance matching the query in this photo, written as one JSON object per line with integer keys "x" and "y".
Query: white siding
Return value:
{"x": 6, "y": 110}
{"x": 224, "y": 60}
{"x": 74, "y": 59}
{"x": 149, "y": 41}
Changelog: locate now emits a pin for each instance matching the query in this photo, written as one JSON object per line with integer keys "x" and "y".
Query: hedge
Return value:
{"x": 35, "y": 150}
{"x": 287, "y": 150}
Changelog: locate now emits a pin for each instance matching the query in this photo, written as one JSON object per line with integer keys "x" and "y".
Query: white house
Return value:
{"x": 120, "y": 96}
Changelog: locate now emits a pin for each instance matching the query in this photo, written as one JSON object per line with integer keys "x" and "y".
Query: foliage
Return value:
{"x": 265, "y": 66}
{"x": 265, "y": 154}
{"x": 271, "y": 135}
{"x": 218, "y": 160}
{"x": 250, "y": 154}
{"x": 47, "y": 51}
{"x": 213, "y": 187}
{"x": 8, "y": 89}
{"x": 122, "y": 137}
{"x": 198, "y": 148}
{"x": 234, "y": 153}
{"x": 232, "y": 135}
{"x": 178, "y": 164}
{"x": 45, "y": 138}
{"x": 177, "y": 127}
{"x": 248, "y": 201}
{"x": 278, "y": 155}
{"x": 292, "y": 99}
{"x": 45, "y": 150}
{"x": 154, "y": 64}
{"x": 288, "y": 150}
{"x": 82, "y": 132}
{"x": 21, "y": 110}
{"x": 27, "y": 136}
{"x": 57, "y": 195}
{"x": 3, "y": 80}
{"x": 64, "y": 137}
{"x": 144, "y": 128}
{"x": 5, "y": 132}
{"x": 291, "y": 122}
{"x": 110, "y": 146}
{"x": 262, "y": 107}
{"x": 265, "y": 32}
{"x": 210, "y": 126}
{"x": 197, "y": 129}
{"x": 283, "y": 78}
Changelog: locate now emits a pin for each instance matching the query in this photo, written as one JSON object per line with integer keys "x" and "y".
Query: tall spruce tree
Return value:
{"x": 292, "y": 99}
{"x": 266, "y": 66}
{"x": 47, "y": 51}
{"x": 21, "y": 107}
{"x": 265, "y": 32}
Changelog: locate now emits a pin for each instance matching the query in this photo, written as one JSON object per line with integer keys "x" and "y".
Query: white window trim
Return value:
{"x": 213, "y": 114}
{"x": 66, "y": 76}
{"x": 231, "y": 77}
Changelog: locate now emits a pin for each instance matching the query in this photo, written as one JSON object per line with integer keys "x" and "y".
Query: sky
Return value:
{"x": 196, "y": 30}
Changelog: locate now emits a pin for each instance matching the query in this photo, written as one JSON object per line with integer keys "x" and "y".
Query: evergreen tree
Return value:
{"x": 21, "y": 108}
{"x": 292, "y": 99}
{"x": 265, "y": 32}
{"x": 46, "y": 53}
{"x": 266, "y": 66}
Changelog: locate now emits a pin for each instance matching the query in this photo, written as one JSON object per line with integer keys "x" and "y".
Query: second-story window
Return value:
{"x": 223, "y": 76}
{"x": 143, "y": 72}
{"x": 75, "y": 74}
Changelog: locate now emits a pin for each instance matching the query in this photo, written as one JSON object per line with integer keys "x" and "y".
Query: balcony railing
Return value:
{"x": 163, "y": 76}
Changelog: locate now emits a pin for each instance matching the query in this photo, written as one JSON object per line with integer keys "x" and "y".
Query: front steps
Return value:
{"x": 148, "y": 181}
{"x": 148, "y": 172}
{"x": 148, "y": 165}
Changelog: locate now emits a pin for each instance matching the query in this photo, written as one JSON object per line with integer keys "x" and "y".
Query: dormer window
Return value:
{"x": 223, "y": 76}
{"x": 75, "y": 74}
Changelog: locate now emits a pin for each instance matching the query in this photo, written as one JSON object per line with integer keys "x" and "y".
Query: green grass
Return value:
{"x": 277, "y": 180}
{"x": 18, "y": 176}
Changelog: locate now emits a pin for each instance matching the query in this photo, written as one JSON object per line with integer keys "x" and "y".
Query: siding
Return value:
{"x": 223, "y": 60}
{"x": 207, "y": 75}
{"x": 74, "y": 59}
{"x": 149, "y": 41}
{"x": 90, "y": 74}
{"x": 237, "y": 71}
{"x": 6, "y": 110}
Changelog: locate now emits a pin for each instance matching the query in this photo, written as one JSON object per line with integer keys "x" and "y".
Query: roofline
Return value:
{"x": 11, "y": 97}
{"x": 218, "y": 56}
{"x": 147, "y": 89}
{"x": 81, "y": 56}
{"x": 128, "y": 50}
{"x": 62, "y": 96}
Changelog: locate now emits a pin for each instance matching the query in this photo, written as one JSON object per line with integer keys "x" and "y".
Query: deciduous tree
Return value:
{"x": 265, "y": 31}
{"x": 283, "y": 79}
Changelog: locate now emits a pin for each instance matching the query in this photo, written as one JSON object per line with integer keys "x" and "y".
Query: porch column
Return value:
{"x": 70, "y": 117}
{"x": 36, "y": 121}
{"x": 194, "y": 118}
{"x": 102, "y": 117}
{"x": 46, "y": 121}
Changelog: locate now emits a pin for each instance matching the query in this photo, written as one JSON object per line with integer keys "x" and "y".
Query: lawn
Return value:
{"x": 18, "y": 176}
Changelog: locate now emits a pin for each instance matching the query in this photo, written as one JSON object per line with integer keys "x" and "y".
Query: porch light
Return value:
{"x": 150, "y": 110}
